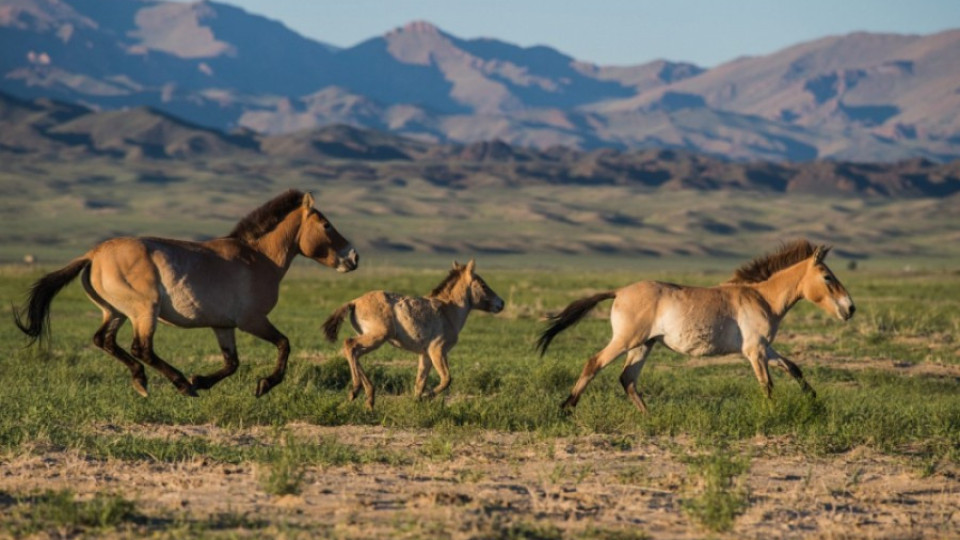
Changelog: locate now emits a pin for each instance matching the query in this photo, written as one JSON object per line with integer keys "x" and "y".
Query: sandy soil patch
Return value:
{"x": 575, "y": 485}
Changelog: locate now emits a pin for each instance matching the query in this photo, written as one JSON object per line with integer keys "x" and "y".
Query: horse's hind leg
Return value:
{"x": 226, "y": 337}
{"x": 791, "y": 369}
{"x": 142, "y": 348}
{"x": 353, "y": 349}
{"x": 636, "y": 357}
{"x": 106, "y": 338}
{"x": 266, "y": 331}
{"x": 608, "y": 354}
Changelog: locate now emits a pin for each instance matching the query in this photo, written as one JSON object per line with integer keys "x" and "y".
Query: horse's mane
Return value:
{"x": 761, "y": 268}
{"x": 267, "y": 216}
{"x": 448, "y": 282}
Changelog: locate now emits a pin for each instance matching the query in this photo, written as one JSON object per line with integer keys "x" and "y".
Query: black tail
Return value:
{"x": 34, "y": 317}
{"x": 570, "y": 316}
{"x": 331, "y": 327}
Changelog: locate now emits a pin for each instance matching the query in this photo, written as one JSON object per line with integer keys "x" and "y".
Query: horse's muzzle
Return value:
{"x": 348, "y": 260}
{"x": 496, "y": 306}
{"x": 847, "y": 313}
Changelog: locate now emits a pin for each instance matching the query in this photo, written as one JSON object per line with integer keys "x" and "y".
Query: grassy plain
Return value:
{"x": 889, "y": 402}
{"x": 876, "y": 454}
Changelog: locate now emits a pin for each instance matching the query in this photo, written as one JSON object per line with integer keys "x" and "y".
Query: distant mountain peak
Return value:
{"x": 419, "y": 27}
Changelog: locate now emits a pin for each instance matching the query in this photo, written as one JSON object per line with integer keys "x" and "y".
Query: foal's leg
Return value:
{"x": 608, "y": 354}
{"x": 266, "y": 331}
{"x": 226, "y": 337}
{"x": 106, "y": 338}
{"x": 757, "y": 356}
{"x": 423, "y": 369}
{"x": 792, "y": 369}
{"x": 142, "y": 348}
{"x": 438, "y": 356}
{"x": 636, "y": 357}
{"x": 353, "y": 349}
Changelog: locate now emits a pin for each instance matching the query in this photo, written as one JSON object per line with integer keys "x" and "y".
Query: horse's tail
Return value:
{"x": 570, "y": 316}
{"x": 331, "y": 327}
{"x": 34, "y": 317}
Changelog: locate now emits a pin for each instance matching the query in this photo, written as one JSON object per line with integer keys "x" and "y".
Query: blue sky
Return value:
{"x": 607, "y": 32}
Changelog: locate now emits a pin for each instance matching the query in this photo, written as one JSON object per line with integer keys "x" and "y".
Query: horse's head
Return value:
{"x": 320, "y": 241}
{"x": 481, "y": 295}
{"x": 821, "y": 287}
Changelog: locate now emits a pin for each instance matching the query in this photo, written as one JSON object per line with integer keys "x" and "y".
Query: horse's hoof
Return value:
{"x": 352, "y": 395}
{"x": 189, "y": 392}
{"x": 140, "y": 387}
{"x": 263, "y": 386}
{"x": 199, "y": 382}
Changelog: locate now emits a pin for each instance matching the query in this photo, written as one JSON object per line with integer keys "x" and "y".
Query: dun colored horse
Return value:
{"x": 223, "y": 284}
{"x": 741, "y": 315}
{"x": 428, "y": 326}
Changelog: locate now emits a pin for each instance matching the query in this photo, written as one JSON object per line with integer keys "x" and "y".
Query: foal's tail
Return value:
{"x": 331, "y": 327}
{"x": 569, "y": 317}
{"x": 34, "y": 317}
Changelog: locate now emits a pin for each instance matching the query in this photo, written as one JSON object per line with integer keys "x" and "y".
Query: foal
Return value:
{"x": 428, "y": 326}
{"x": 741, "y": 315}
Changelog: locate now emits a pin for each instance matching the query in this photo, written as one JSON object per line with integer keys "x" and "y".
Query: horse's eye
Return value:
{"x": 327, "y": 226}
{"x": 828, "y": 278}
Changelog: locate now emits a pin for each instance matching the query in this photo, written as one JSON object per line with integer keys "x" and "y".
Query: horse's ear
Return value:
{"x": 471, "y": 266}
{"x": 821, "y": 253}
{"x": 307, "y": 200}
{"x": 457, "y": 266}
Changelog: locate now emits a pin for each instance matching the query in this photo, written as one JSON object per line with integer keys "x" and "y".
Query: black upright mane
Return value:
{"x": 761, "y": 268}
{"x": 448, "y": 282}
{"x": 267, "y": 216}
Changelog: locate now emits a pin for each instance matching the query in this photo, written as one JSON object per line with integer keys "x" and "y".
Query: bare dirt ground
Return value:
{"x": 584, "y": 486}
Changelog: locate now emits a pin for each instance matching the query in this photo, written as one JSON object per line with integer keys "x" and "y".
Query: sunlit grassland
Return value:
{"x": 868, "y": 395}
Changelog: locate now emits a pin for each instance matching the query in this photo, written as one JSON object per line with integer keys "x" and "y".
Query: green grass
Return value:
{"x": 62, "y": 395}
{"x": 57, "y": 395}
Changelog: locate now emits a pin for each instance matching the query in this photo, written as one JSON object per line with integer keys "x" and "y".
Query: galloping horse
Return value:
{"x": 741, "y": 315}
{"x": 223, "y": 284}
{"x": 428, "y": 326}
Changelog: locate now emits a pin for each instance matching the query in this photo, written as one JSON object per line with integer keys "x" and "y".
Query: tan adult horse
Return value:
{"x": 428, "y": 326}
{"x": 741, "y": 315}
{"x": 224, "y": 284}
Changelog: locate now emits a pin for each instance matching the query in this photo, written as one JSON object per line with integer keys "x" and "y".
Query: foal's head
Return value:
{"x": 821, "y": 287}
{"x": 320, "y": 241}
{"x": 464, "y": 280}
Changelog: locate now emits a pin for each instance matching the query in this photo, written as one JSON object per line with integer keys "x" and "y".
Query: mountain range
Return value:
{"x": 858, "y": 97}
{"x": 43, "y": 130}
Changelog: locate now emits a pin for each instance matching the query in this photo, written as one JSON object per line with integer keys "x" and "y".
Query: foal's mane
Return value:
{"x": 761, "y": 268}
{"x": 267, "y": 216}
{"x": 447, "y": 284}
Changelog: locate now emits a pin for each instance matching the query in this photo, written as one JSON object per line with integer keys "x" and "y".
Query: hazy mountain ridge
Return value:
{"x": 46, "y": 128}
{"x": 862, "y": 97}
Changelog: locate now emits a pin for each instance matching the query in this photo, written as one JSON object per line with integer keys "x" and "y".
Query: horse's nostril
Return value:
{"x": 852, "y": 310}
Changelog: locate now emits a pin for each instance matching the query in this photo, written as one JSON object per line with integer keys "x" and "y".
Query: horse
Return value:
{"x": 740, "y": 315}
{"x": 224, "y": 284}
{"x": 428, "y": 326}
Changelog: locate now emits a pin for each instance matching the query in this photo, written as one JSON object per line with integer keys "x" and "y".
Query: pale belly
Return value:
{"x": 720, "y": 337}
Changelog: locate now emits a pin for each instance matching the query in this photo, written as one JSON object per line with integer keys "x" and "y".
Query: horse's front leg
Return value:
{"x": 438, "y": 356}
{"x": 757, "y": 355}
{"x": 264, "y": 330}
{"x": 226, "y": 337}
{"x": 791, "y": 368}
{"x": 423, "y": 370}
